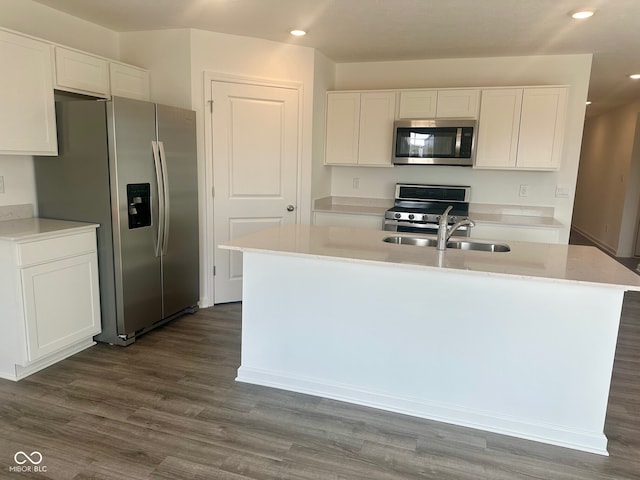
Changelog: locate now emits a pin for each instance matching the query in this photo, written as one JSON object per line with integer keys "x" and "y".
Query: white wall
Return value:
{"x": 19, "y": 180}
{"x": 167, "y": 56}
{"x": 608, "y": 188}
{"x": 487, "y": 186}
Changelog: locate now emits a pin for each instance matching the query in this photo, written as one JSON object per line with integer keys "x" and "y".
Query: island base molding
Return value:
{"x": 578, "y": 440}
{"x": 521, "y": 356}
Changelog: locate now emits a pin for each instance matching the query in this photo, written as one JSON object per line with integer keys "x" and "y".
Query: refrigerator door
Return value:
{"x": 132, "y": 128}
{"x": 180, "y": 260}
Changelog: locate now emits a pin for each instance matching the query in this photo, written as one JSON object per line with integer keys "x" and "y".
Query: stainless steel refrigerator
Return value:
{"x": 130, "y": 166}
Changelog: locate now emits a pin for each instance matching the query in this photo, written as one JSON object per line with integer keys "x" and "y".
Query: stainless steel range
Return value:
{"x": 417, "y": 208}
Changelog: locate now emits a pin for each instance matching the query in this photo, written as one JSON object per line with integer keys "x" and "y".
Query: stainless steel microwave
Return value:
{"x": 434, "y": 142}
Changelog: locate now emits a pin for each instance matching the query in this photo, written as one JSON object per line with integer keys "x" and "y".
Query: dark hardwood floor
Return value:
{"x": 167, "y": 407}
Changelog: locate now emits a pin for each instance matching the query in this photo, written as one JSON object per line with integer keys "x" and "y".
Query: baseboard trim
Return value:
{"x": 24, "y": 371}
{"x": 592, "y": 442}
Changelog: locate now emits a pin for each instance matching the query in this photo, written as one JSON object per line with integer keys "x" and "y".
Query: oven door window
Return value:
{"x": 427, "y": 142}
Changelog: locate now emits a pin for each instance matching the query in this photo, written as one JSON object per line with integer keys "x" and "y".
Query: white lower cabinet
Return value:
{"x": 50, "y": 300}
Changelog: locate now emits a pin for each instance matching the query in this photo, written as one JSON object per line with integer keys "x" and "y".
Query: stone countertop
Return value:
{"x": 35, "y": 228}
{"x": 566, "y": 263}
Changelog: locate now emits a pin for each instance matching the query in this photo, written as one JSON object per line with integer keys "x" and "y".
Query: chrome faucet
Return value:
{"x": 445, "y": 232}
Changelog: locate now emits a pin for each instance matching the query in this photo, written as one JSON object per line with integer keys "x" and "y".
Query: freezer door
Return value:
{"x": 132, "y": 129}
{"x": 180, "y": 253}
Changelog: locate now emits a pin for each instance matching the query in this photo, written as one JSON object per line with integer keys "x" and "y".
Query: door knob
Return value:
{"x": 290, "y": 208}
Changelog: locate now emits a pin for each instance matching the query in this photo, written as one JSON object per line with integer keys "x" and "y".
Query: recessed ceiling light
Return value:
{"x": 588, "y": 102}
{"x": 635, "y": 76}
{"x": 582, "y": 14}
{"x": 298, "y": 33}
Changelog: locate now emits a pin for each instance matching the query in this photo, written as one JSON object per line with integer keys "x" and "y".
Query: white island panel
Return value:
{"x": 519, "y": 343}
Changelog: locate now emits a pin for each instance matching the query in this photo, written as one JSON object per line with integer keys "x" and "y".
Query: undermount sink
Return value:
{"x": 456, "y": 244}
{"x": 480, "y": 246}
{"x": 418, "y": 241}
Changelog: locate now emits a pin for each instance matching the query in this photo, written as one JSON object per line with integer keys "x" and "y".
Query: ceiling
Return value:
{"x": 377, "y": 30}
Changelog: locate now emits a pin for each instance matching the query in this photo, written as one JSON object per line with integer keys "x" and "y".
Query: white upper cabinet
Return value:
{"x": 498, "y": 128}
{"x": 521, "y": 128}
{"x": 81, "y": 73}
{"x": 418, "y": 104}
{"x": 359, "y": 128}
{"x": 443, "y": 103}
{"x": 377, "y": 114}
{"x": 27, "y": 113}
{"x": 128, "y": 81}
{"x": 342, "y": 126}
{"x": 458, "y": 103}
{"x": 542, "y": 126}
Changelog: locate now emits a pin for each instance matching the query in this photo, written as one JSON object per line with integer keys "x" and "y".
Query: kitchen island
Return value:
{"x": 519, "y": 343}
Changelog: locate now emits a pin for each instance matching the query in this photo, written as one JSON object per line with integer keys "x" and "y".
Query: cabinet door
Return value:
{"x": 342, "y": 128}
{"x": 61, "y": 302}
{"x": 81, "y": 73}
{"x": 129, "y": 82}
{"x": 418, "y": 104}
{"x": 27, "y": 116}
{"x": 498, "y": 128}
{"x": 377, "y": 113}
{"x": 542, "y": 125}
{"x": 458, "y": 103}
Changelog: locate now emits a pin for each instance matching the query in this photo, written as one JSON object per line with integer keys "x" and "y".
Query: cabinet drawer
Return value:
{"x": 40, "y": 251}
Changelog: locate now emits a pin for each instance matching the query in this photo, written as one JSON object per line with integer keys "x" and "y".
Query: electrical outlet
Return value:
{"x": 356, "y": 183}
{"x": 562, "y": 191}
{"x": 1, "y": 184}
{"x": 524, "y": 190}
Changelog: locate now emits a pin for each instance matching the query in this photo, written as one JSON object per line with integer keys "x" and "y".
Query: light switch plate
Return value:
{"x": 1, "y": 184}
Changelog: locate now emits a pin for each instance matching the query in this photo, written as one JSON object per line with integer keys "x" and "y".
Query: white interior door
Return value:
{"x": 255, "y": 162}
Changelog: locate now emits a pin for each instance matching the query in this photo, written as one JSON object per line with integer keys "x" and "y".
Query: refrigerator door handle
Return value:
{"x": 160, "y": 184}
{"x": 167, "y": 206}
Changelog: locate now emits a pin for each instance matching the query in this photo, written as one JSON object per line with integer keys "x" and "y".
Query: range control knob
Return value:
{"x": 438, "y": 219}
{"x": 411, "y": 216}
{"x": 453, "y": 219}
{"x": 397, "y": 215}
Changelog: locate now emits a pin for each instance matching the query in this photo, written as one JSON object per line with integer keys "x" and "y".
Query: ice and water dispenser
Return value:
{"x": 139, "y": 201}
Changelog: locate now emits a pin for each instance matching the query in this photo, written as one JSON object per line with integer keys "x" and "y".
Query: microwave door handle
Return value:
{"x": 458, "y": 142}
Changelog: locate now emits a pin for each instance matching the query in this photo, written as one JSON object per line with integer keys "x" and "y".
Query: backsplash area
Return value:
{"x": 16, "y": 212}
